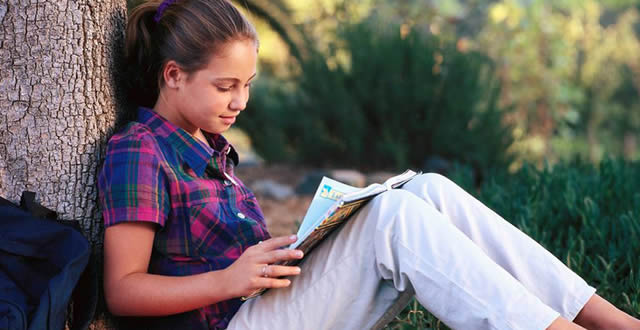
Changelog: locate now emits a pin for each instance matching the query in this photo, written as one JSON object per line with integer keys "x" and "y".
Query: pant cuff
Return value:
{"x": 581, "y": 300}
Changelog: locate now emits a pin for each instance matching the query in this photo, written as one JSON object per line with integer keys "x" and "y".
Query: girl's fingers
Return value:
{"x": 276, "y": 242}
{"x": 273, "y": 283}
{"x": 274, "y": 271}
{"x": 279, "y": 255}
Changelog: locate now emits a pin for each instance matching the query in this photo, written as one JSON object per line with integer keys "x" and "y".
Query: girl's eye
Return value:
{"x": 228, "y": 89}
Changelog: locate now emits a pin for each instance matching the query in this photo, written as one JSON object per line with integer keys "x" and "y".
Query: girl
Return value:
{"x": 185, "y": 239}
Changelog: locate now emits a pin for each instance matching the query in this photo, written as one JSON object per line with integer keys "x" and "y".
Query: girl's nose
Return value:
{"x": 239, "y": 101}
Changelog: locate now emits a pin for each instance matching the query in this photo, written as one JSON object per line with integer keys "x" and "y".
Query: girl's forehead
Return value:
{"x": 236, "y": 58}
{"x": 234, "y": 48}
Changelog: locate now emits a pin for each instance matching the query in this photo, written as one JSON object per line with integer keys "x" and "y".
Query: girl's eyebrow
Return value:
{"x": 233, "y": 79}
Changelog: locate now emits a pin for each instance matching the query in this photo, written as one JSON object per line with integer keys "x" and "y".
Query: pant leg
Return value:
{"x": 397, "y": 244}
{"x": 530, "y": 263}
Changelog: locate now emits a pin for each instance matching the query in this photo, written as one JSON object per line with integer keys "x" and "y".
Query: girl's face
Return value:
{"x": 210, "y": 99}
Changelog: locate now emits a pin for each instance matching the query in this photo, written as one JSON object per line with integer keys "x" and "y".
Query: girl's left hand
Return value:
{"x": 254, "y": 269}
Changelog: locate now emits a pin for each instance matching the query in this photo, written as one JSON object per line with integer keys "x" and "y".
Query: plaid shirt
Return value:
{"x": 156, "y": 172}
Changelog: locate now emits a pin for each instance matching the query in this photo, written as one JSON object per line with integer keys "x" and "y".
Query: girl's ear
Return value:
{"x": 172, "y": 74}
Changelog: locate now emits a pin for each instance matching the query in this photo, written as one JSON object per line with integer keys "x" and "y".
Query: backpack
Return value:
{"x": 42, "y": 260}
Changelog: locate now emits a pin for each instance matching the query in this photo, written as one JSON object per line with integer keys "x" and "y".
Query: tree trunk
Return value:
{"x": 58, "y": 101}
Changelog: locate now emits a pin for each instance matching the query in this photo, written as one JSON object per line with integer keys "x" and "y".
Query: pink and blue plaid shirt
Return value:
{"x": 156, "y": 172}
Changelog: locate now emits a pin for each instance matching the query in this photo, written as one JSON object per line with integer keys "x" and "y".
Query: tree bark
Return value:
{"x": 58, "y": 64}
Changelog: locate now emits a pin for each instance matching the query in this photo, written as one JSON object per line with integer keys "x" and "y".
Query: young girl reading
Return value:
{"x": 185, "y": 239}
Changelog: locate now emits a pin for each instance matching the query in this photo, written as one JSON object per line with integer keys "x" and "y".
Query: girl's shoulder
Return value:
{"x": 133, "y": 132}
{"x": 134, "y": 137}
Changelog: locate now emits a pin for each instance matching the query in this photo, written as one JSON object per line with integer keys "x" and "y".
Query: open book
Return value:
{"x": 332, "y": 205}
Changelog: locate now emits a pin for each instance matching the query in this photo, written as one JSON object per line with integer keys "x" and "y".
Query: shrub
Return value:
{"x": 586, "y": 216}
{"x": 382, "y": 100}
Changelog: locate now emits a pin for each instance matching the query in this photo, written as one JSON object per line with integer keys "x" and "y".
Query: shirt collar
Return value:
{"x": 195, "y": 153}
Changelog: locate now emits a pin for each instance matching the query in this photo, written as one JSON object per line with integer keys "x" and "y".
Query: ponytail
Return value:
{"x": 186, "y": 31}
{"x": 141, "y": 55}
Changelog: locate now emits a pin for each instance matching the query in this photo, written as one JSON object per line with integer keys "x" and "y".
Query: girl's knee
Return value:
{"x": 395, "y": 197}
{"x": 435, "y": 179}
{"x": 428, "y": 180}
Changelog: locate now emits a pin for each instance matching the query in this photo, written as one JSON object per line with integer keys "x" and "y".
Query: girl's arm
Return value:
{"x": 130, "y": 290}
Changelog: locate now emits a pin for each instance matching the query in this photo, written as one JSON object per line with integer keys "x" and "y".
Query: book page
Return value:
{"x": 328, "y": 193}
{"x": 376, "y": 188}
{"x": 399, "y": 180}
{"x": 370, "y": 190}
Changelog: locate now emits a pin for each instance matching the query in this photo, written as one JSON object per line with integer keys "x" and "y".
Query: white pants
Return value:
{"x": 464, "y": 263}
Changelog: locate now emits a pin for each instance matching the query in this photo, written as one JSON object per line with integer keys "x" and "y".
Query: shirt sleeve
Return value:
{"x": 132, "y": 182}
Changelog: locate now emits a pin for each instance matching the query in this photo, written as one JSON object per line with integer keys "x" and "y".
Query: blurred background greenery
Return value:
{"x": 388, "y": 84}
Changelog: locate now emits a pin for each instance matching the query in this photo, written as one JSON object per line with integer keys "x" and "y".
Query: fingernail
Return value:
{"x": 293, "y": 237}
{"x": 298, "y": 270}
{"x": 299, "y": 254}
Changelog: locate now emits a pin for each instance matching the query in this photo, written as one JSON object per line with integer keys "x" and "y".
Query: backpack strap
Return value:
{"x": 29, "y": 204}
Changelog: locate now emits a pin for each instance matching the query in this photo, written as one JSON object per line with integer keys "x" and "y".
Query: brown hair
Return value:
{"x": 187, "y": 31}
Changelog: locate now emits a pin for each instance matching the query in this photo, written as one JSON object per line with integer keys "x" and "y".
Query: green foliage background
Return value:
{"x": 569, "y": 70}
{"x": 382, "y": 100}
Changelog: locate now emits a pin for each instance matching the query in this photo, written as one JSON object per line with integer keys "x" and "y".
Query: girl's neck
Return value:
{"x": 200, "y": 136}
{"x": 163, "y": 109}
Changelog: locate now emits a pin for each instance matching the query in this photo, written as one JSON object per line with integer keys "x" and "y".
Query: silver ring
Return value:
{"x": 264, "y": 271}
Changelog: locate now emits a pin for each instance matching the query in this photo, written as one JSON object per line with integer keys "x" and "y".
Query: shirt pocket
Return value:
{"x": 221, "y": 233}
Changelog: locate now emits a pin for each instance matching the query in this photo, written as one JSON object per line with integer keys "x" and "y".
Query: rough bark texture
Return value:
{"x": 58, "y": 100}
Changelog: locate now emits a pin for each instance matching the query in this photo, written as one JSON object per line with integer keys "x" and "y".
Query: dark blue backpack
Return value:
{"x": 41, "y": 262}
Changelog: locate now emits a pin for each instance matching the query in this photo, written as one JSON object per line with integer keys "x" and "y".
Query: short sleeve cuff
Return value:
{"x": 132, "y": 214}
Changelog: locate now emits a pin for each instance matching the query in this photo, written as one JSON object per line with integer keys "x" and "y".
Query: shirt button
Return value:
{"x": 240, "y": 215}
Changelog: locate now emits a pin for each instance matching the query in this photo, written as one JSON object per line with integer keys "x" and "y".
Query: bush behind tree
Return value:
{"x": 381, "y": 99}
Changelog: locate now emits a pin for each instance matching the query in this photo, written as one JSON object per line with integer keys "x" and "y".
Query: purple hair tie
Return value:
{"x": 162, "y": 8}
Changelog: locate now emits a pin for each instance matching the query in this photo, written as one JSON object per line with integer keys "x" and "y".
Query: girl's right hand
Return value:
{"x": 254, "y": 270}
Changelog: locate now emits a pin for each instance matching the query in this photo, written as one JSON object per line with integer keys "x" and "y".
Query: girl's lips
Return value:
{"x": 228, "y": 120}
